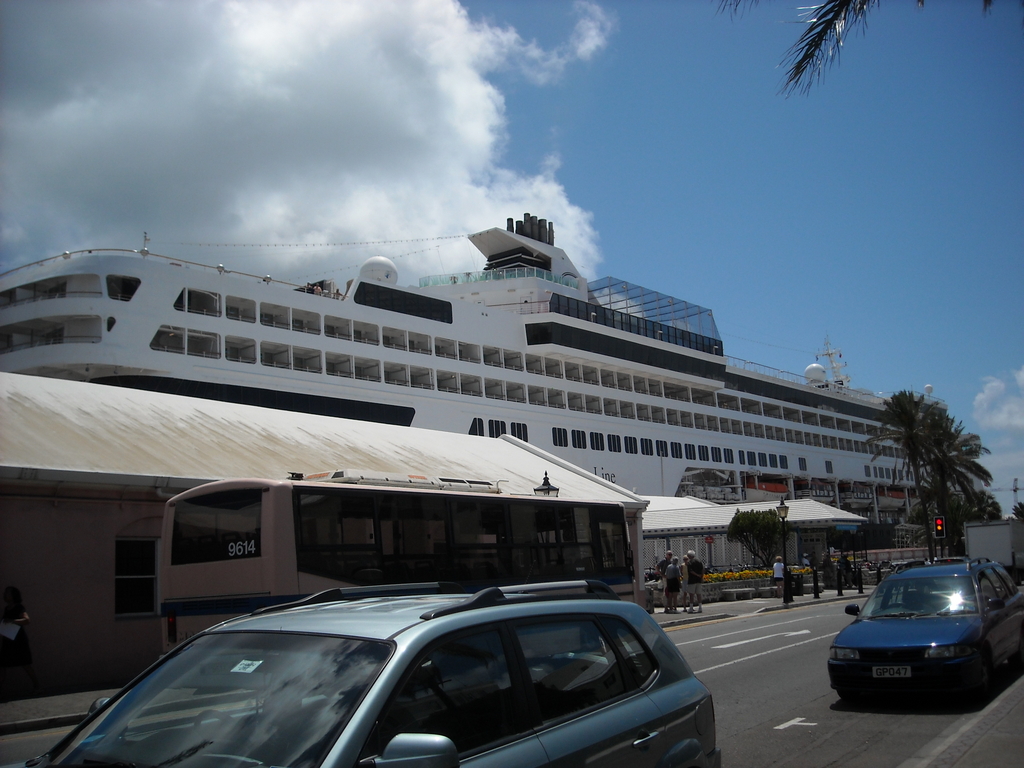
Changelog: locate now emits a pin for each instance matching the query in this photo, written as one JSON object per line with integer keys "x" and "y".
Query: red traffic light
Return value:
{"x": 939, "y": 524}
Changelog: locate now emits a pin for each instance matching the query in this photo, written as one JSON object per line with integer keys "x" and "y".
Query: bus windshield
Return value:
{"x": 236, "y": 699}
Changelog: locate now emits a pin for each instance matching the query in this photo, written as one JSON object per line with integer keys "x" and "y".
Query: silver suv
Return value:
{"x": 523, "y": 676}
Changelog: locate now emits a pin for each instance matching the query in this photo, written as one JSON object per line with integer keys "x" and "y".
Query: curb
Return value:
{"x": 41, "y": 723}
{"x": 818, "y": 601}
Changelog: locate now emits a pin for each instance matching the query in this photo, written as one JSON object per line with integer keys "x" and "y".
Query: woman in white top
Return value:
{"x": 779, "y": 574}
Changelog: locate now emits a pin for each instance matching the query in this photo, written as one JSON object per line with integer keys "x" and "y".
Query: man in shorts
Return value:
{"x": 694, "y": 579}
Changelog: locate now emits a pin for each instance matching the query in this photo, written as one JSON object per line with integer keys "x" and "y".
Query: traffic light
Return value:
{"x": 940, "y": 527}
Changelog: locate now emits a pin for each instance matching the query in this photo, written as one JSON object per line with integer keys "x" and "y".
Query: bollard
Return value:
{"x": 860, "y": 581}
{"x": 817, "y": 594}
{"x": 839, "y": 582}
{"x": 787, "y": 589}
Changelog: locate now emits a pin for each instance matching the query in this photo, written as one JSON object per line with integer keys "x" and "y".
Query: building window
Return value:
{"x": 614, "y": 443}
{"x": 751, "y": 459}
{"x": 560, "y": 437}
{"x": 579, "y": 438}
{"x": 888, "y": 472}
{"x": 630, "y": 444}
{"x": 662, "y": 447}
{"x": 867, "y": 470}
{"x": 519, "y": 431}
{"x": 727, "y": 456}
{"x": 495, "y": 428}
{"x": 762, "y": 460}
{"x": 677, "y": 450}
{"x": 702, "y": 452}
{"x": 784, "y": 462}
{"x": 828, "y": 467}
{"x": 135, "y": 577}
{"x": 597, "y": 441}
{"x": 477, "y": 427}
{"x": 742, "y": 455}
{"x": 773, "y": 461}
{"x": 691, "y": 451}
{"x": 716, "y": 454}
{"x": 802, "y": 462}
{"x": 646, "y": 446}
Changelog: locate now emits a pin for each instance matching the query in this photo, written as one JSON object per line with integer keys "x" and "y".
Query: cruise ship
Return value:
{"x": 630, "y": 383}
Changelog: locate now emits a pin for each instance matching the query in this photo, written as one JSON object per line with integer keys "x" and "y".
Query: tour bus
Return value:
{"x": 233, "y": 546}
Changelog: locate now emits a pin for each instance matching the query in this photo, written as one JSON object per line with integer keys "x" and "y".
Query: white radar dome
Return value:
{"x": 928, "y": 389}
{"x": 379, "y": 269}
{"x": 814, "y": 373}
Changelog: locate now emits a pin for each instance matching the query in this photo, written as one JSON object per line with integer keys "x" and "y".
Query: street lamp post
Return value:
{"x": 787, "y": 589}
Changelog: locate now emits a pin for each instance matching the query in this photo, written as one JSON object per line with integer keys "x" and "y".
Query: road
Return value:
{"x": 774, "y": 706}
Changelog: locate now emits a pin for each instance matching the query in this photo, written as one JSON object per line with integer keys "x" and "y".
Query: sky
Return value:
{"x": 884, "y": 209}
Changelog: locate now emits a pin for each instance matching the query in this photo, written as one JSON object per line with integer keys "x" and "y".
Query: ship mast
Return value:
{"x": 835, "y": 364}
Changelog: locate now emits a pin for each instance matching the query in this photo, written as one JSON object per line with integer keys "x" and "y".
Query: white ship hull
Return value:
{"x": 470, "y": 353}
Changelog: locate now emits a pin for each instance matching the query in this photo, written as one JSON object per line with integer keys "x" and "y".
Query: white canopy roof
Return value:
{"x": 63, "y": 430}
{"x": 671, "y": 516}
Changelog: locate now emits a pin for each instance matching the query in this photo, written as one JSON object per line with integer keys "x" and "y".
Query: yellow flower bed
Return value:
{"x": 747, "y": 575}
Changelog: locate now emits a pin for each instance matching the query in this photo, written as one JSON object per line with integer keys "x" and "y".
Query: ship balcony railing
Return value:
{"x": 60, "y": 295}
{"x": 51, "y": 342}
{"x": 491, "y": 275}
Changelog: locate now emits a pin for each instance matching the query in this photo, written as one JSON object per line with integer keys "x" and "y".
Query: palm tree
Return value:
{"x": 828, "y": 24}
{"x": 953, "y": 462}
{"x": 1018, "y": 510}
{"x": 906, "y": 423}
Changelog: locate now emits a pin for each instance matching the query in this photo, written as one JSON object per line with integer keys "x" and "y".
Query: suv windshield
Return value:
{"x": 922, "y": 596}
{"x": 236, "y": 699}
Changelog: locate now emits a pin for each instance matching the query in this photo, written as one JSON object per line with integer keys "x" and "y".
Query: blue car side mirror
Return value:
{"x": 996, "y": 603}
{"x": 853, "y": 609}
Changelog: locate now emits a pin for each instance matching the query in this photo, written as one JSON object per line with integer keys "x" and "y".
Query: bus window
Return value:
{"x": 613, "y": 544}
{"x": 218, "y": 526}
{"x": 413, "y": 536}
{"x": 335, "y": 539}
{"x": 480, "y": 550}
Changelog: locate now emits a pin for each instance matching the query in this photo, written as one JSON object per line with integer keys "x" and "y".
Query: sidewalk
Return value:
{"x": 730, "y": 609}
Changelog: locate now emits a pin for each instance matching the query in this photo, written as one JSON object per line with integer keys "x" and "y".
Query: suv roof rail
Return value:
{"x": 980, "y": 561}
{"x": 524, "y": 593}
{"x": 340, "y": 594}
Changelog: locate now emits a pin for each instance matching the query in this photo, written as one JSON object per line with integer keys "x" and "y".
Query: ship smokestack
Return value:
{"x": 551, "y": 233}
{"x": 541, "y": 230}
{"x": 509, "y": 224}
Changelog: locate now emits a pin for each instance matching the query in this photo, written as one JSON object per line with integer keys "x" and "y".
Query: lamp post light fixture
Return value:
{"x": 787, "y": 589}
{"x": 546, "y": 488}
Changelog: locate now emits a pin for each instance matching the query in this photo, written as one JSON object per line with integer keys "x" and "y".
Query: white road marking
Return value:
{"x": 749, "y": 629}
{"x": 794, "y": 721}
{"x": 765, "y": 653}
{"x": 764, "y": 637}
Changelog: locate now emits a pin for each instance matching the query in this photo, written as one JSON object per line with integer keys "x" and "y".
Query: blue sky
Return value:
{"x": 884, "y": 209}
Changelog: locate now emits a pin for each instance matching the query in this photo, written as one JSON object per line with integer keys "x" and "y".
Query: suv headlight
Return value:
{"x": 948, "y": 651}
{"x": 843, "y": 654}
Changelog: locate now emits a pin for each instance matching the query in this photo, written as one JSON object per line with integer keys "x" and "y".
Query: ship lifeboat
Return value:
{"x": 891, "y": 498}
{"x": 756, "y": 489}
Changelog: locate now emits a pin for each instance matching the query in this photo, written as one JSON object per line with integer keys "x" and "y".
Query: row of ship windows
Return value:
{"x": 304, "y": 321}
{"x": 276, "y": 355}
{"x": 600, "y": 441}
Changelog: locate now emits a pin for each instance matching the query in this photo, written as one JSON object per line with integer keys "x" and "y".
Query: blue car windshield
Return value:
{"x": 237, "y": 700}
{"x": 922, "y": 596}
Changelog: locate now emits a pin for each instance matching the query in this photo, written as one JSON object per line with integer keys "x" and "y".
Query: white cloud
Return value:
{"x": 271, "y": 122}
{"x": 997, "y": 408}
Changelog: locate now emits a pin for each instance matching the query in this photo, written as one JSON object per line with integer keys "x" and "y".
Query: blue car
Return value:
{"x": 939, "y": 627}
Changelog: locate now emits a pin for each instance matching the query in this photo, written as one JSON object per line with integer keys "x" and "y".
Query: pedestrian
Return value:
{"x": 694, "y": 579}
{"x": 14, "y": 650}
{"x": 779, "y": 574}
{"x": 664, "y": 563}
{"x": 847, "y": 572}
{"x": 672, "y": 572}
{"x": 684, "y": 578}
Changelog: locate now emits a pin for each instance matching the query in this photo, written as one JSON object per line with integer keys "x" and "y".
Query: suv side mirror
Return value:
{"x": 853, "y": 609}
{"x": 996, "y": 603}
{"x": 419, "y": 750}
